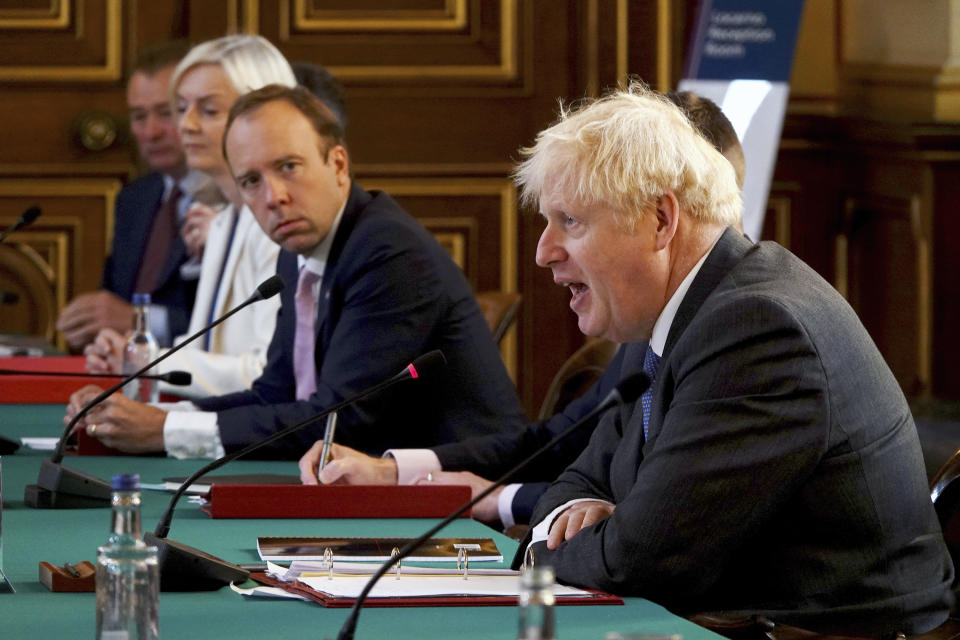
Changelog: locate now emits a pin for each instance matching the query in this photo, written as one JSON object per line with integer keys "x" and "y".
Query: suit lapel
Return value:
{"x": 729, "y": 250}
{"x": 726, "y": 254}
{"x": 356, "y": 202}
{"x": 233, "y": 252}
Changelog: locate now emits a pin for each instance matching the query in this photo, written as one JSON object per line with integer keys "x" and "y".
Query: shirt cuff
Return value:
{"x": 413, "y": 462}
{"x": 192, "y": 434}
{"x": 160, "y": 324}
{"x": 542, "y": 531}
{"x": 505, "y": 505}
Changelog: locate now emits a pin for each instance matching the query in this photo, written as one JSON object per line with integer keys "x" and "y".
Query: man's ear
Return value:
{"x": 668, "y": 219}
{"x": 341, "y": 162}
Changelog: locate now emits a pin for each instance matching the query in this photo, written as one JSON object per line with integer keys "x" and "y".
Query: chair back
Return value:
{"x": 945, "y": 493}
{"x": 500, "y": 308}
{"x": 580, "y": 372}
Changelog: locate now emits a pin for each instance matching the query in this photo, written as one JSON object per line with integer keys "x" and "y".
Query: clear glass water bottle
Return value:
{"x": 536, "y": 605}
{"x": 128, "y": 577}
{"x": 141, "y": 349}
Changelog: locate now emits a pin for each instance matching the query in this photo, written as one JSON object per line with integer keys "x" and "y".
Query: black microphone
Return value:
{"x": 176, "y": 378}
{"x": 628, "y": 390}
{"x": 26, "y": 218}
{"x": 183, "y": 568}
{"x": 60, "y": 487}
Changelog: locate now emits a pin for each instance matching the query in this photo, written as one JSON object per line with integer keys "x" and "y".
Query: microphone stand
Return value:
{"x": 60, "y": 487}
{"x": 26, "y": 218}
{"x": 183, "y": 568}
{"x": 627, "y": 391}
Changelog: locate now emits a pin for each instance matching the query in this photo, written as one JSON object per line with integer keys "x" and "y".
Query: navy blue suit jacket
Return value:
{"x": 136, "y": 206}
{"x": 389, "y": 294}
{"x": 782, "y": 474}
{"x": 493, "y": 455}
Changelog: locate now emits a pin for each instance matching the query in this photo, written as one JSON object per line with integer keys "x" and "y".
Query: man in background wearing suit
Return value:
{"x": 472, "y": 462}
{"x": 773, "y": 467}
{"x": 147, "y": 251}
{"x": 368, "y": 291}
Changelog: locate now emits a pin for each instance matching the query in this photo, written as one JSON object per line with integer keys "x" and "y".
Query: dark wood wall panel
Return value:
{"x": 874, "y": 213}
{"x": 441, "y": 94}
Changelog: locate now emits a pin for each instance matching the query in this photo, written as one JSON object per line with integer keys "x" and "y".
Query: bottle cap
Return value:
{"x": 140, "y": 298}
{"x": 125, "y": 482}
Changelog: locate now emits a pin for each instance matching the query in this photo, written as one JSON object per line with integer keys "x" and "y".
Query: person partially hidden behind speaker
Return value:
{"x": 368, "y": 290}
{"x": 147, "y": 252}
{"x": 472, "y": 462}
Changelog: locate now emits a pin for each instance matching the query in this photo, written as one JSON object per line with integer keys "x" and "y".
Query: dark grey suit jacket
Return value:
{"x": 782, "y": 474}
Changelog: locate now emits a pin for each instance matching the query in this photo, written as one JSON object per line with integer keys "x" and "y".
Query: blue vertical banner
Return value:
{"x": 740, "y": 57}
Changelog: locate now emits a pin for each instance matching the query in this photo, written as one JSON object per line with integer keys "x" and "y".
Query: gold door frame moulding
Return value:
{"x": 593, "y": 45}
{"x": 453, "y": 17}
{"x": 453, "y": 240}
{"x": 56, "y": 16}
{"x": 507, "y": 69}
{"x": 100, "y": 187}
{"x": 243, "y": 16}
{"x": 923, "y": 265}
{"x": 780, "y": 205}
{"x": 52, "y": 264}
{"x": 509, "y": 247}
{"x": 110, "y": 70}
{"x": 664, "y": 46}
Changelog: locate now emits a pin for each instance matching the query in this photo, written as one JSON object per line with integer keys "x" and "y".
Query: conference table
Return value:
{"x": 59, "y": 536}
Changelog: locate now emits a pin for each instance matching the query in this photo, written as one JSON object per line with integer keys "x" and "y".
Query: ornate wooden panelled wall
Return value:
{"x": 441, "y": 94}
{"x": 871, "y": 205}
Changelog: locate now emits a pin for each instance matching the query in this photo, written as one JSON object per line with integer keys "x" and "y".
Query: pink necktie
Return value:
{"x": 304, "y": 339}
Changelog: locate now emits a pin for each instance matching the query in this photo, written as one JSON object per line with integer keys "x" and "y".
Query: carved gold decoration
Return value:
{"x": 56, "y": 16}
{"x": 664, "y": 46}
{"x": 623, "y": 31}
{"x": 506, "y": 68}
{"x": 59, "y": 187}
{"x": 504, "y": 189}
{"x": 109, "y": 70}
{"x": 452, "y": 17}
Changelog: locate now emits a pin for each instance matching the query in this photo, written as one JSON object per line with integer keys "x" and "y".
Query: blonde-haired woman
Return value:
{"x": 237, "y": 255}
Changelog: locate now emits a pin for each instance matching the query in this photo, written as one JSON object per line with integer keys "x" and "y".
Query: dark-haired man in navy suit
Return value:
{"x": 147, "y": 251}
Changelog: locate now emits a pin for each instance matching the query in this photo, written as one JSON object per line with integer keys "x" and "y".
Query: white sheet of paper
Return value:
{"x": 40, "y": 444}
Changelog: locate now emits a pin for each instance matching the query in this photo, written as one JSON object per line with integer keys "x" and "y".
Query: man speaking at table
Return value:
{"x": 773, "y": 467}
{"x": 368, "y": 291}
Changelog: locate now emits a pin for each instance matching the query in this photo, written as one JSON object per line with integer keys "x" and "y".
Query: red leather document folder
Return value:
{"x": 334, "y": 501}
{"x": 36, "y": 389}
{"x": 595, "y": 597}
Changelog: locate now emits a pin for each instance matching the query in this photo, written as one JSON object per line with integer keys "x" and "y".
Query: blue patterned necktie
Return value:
{"x": 651, "y": 362}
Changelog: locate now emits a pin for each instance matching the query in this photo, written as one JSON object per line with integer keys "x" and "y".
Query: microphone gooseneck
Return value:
{"x": 176, "y": 378}
{"x": 183, "y": 568}
{"x": 26, "y": 218}
{"x": 55, "y": 479}
{"x": 628, "y": 390}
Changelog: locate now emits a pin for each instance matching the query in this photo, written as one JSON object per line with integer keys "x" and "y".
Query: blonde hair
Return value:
{"x": 250, "y": 62}
{"x": 624, "y": 151}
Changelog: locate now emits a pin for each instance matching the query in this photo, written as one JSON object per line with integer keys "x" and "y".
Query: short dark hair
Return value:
{"x": 160, "y": 56}
{"x": 324, "y": 121}
{"x": 322, "y": 84}
{"x": 713, "y": 125}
